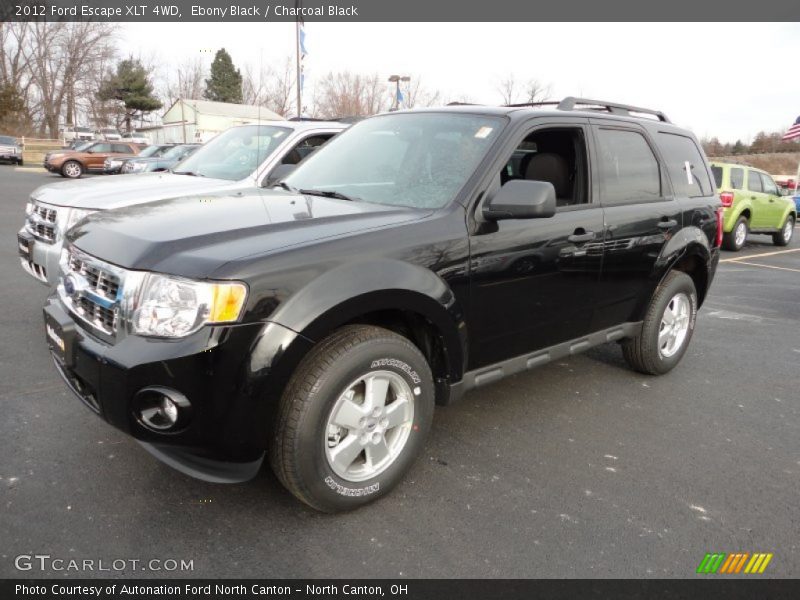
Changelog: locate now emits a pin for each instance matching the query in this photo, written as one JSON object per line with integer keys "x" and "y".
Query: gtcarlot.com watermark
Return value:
{"x": 47, "y": 562}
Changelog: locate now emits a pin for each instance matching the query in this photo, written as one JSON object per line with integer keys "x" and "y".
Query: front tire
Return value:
{"x": 737, "y": 237}
{"x": 784, "y": 236}
{"x": 72, "y": 169}
{"x": 667, "y": 328}
{"x": 353, "y": 418}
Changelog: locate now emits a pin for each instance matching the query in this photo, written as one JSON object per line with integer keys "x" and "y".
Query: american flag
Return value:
{"x": 794, "y": 131}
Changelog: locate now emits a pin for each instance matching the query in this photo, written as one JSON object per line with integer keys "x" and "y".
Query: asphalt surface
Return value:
{"x": 581, "y": 468}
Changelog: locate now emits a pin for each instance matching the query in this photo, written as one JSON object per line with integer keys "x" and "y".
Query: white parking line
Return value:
{"x": 749, "y": 256}
{"x": 741, "y": 262}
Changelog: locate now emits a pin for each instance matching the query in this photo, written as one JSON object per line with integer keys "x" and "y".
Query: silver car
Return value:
{"x": 240, "y": 157}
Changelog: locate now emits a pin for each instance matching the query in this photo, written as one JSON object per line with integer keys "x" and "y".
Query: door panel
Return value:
{"x": 531, "y": 286}
{"x": 758, "y": 200}
{"x": 641, "y": 214}
{"x": 773, "y": 215}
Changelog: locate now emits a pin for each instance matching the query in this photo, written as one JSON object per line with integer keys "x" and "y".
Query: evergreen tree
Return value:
{"x": 131, "y": 86}
{"x": 225, "y": 84}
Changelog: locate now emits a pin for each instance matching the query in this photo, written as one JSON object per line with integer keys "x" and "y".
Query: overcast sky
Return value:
{"x": 729, "y": 80}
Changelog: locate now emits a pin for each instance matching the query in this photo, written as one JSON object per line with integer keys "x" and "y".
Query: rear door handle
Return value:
{"x": 578, "y": 238}
{"x": 667, "y": 224}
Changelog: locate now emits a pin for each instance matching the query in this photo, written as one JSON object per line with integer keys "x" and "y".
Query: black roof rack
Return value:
{"x": 614, "y": 108}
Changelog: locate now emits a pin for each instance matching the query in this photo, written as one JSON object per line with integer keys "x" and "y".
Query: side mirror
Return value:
{"x": 278, "y": 173}
{"x": 522, "y": 199}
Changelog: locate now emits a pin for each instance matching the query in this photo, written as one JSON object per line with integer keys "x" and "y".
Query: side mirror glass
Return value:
{"x": 522, "y": 199}
{"x": 278, "y": 173}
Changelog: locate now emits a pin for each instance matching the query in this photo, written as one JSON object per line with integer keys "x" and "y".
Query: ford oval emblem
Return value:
{"x": 69, "y": 285}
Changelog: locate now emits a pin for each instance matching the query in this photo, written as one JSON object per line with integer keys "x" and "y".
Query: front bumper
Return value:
{"x": 39, "y": 259}
{"x": 16, "y": 158}
{"x": 220, "y": 370}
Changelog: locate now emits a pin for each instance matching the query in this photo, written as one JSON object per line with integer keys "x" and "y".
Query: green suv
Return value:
{"x": 752, "y": 203}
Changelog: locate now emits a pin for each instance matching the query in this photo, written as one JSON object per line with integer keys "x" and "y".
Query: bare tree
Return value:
{"x": 350, "y": 94}
{"x": 418, "y": 95}
{"x": 271, "y": 87}
{"x": 62, "y": 57}
{"x": 187, "y": 80}
{"x": 514, "y": 92}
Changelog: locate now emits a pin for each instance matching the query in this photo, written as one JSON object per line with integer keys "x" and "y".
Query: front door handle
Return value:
{"x": 667, "y": 224}
{"x": 579, "y": 238}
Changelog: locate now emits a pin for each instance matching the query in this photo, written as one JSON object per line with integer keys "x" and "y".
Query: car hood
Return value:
{"x": 194, "y": 236}
{"x": 101, "y": 193}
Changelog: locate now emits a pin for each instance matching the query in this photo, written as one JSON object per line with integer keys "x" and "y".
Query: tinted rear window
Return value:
{"x": 737, "y": 178}
{"x": 685, "y": 164}
{"x": 717, "y": 171}
{"x": 629, "y": 171}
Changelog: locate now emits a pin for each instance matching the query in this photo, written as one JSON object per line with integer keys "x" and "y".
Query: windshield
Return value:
{"x": 83, "y": 146}
{"x": 178, "y": 152}
{"x": 417, "y": 160}
{"x": 235, "y": 153}
{"x": 83, "y": 129}
{"x": 151, "y": 151}
{"x": 4, "y": 139}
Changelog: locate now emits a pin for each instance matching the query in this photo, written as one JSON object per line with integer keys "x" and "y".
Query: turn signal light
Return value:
{"x": 719, "y": 227}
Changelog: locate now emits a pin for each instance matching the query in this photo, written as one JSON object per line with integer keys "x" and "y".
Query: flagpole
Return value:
{"x": 299, "y": 70}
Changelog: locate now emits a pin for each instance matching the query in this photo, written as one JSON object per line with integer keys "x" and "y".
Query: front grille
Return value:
{"x": 42, "y": 223}
{"x": 93, "y": 291}
{"x": 99, "y": 280}
{"x": 102, "y": 318}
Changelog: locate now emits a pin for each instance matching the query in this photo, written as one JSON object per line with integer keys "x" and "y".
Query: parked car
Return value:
{"x": 74, "y": 163}
{"x": 318, "y": 322}
{"x": 113, "y": 165}
{"x": 164, "y": 162}
{"x": 10, "y": 150}
{"x": 752, "y": 203}
{"x": 110, "y": 134}
{"x": 241, "y": 157}
{"x": 70, "y": 133}
{"x": 135, "y": 138}
{"x": 76, "y": 145}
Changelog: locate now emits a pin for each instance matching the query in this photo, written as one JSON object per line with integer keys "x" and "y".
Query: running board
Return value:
{"x": 525, "y": 362}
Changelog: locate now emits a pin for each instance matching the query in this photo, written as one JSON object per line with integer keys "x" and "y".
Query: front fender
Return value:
{"x": 348, "y": 291}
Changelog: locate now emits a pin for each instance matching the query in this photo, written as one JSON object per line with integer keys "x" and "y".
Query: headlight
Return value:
{"x": 17, "y": 150}
{"x": 173, "y": 307}
{"x": 29, "y": 206}
{"x": 74, "y": 215}
{"x": 138, "y": 167}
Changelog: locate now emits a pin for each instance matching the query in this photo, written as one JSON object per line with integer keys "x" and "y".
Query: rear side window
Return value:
{"x": 629, "y": 171}
{"x": 737, "y": 178}
{"x": 769, "y": 185}
{"x": 717, "y": 172}
{"x": 685, "y": 164}
{"x": 753, "y": 181}
{"x": 121, "y": 148}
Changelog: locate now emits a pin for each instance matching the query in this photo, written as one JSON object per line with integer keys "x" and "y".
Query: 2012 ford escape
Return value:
{"x": 416, "y": 256}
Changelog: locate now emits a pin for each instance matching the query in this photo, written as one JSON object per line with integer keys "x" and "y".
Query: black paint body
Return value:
{"x": 486, "y": 291}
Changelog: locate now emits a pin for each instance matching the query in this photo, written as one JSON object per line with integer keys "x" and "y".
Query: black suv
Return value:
{"x": 416, "y": 256}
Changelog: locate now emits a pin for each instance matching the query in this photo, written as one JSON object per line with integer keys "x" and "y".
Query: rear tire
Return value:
{"x": 737, "y": 237}
{"x": 338, "y": 443}
{"x": 72, "y": 169}
{"x": 667, "y": 328}
{"x": 784, "y": 236}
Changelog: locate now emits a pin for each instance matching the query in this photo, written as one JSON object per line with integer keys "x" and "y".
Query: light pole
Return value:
{"x": 396, "y": 79}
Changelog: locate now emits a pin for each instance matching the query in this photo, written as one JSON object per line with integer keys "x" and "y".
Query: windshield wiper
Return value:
{"x": 330, "y": 194}
{"x": 190, "y": 173}
{"x": 284, "y": 185}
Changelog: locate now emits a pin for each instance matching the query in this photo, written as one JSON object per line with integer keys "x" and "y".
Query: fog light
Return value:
{"x": 161, "y": 409}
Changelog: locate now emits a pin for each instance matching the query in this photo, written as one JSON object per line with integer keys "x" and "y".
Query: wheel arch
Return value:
{"x": 405, "y": 298}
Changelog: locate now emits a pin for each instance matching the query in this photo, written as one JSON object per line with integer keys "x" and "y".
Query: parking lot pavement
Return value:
{"x": 581, "y": 468}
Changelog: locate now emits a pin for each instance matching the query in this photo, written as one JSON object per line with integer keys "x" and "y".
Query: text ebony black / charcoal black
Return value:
{"x": 415, "y": 256}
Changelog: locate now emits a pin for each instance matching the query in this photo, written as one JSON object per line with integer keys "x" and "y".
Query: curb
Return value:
{"x": 31, "y": 169}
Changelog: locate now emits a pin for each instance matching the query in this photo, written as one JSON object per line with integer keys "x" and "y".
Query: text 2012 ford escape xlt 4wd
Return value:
{"x": 414, "y": 257}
